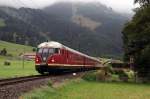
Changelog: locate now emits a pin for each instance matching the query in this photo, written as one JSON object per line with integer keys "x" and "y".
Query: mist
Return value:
{"x": 118, "y": 5}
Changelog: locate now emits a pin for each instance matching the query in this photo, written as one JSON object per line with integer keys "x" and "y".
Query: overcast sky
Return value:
{"x": 118, "y": 5}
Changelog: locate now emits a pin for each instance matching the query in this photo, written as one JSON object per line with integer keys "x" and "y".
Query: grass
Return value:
{"x": 92, "y": 90}
{"x": 15, "y": 49}
{"x": 16, "y": 68}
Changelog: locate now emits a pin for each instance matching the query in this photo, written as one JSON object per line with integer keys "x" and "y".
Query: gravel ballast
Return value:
{"x": 15, "y": 90}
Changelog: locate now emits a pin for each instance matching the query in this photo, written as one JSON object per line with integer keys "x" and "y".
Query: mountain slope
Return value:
{"x": 89, "y": 27}
{"x": 102, "y": 25}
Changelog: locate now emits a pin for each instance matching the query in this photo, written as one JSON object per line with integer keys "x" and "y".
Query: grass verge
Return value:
{"x": 81, "y": 89}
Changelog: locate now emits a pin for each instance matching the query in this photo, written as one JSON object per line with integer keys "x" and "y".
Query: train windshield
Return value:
{"x": 48, "y": 50}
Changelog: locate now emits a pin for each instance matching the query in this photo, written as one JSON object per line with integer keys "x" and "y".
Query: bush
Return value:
{"x": 123, "y": 75}
{"x": 115, "y": 78}
{"x": 50, "y": 83}
{"x": 99, "y": 75}
{"x": 90, "y": 76}
{"x": 34, "y": 49}
{"x": 104, "y": 75}
{"x": 7, "y": 63}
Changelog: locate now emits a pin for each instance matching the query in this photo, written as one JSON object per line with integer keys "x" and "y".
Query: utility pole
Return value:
{"x": 23, "y": 58}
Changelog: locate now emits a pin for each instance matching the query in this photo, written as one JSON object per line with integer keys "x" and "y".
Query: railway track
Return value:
{"x": 13, "y": 88}
{"x": 12, "y": 81}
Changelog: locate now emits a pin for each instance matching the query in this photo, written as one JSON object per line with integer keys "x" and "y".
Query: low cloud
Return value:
{"x": 118, "y": 5}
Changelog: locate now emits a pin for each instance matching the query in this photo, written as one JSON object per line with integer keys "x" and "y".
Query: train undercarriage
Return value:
{"x": 44, "y": 69}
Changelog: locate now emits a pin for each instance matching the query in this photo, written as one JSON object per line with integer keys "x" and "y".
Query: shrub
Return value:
{"x": 115, "y": 78}
{"x": 34, "y": 49}
{"x": 99, "y": 75}
{"x": 7, "y": 63}
{"x": 50, "y": 83}
{"x": 90, "y": 76}
{"x": 123, "y": 75}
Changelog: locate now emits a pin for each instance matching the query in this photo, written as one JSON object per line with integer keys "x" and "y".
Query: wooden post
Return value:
{"x": 23, "y": 58}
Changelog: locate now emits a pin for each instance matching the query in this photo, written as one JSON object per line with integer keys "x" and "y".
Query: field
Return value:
{"x": 16, "y": 68}
{"x": 92, "y": 90}
{"x": 15, "y": 49}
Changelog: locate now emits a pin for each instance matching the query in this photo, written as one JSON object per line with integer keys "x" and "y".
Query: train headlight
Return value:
{"x": 37, "y": 59}
{"x": 53, "y": 60}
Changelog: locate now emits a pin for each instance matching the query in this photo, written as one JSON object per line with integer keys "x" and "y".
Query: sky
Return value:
{"x": 118, "y": 5}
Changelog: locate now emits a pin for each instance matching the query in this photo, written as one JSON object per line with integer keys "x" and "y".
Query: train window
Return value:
{"x": 45, "y": 50}
{"x": 56, "y": 50}
{"x": 51, "y": 50}
{"x": 40, "y": 50}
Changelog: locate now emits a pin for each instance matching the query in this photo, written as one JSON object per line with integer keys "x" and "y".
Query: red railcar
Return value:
{"x": 54, "y": 57}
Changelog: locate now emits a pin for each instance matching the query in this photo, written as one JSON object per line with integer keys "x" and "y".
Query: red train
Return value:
{"x": 54, "y": 57}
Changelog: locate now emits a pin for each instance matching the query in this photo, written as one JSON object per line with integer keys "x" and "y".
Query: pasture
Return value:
{"x": 80, "y": 89}
{"x": 14, "y": 50}
{"x": 16, "y": 67}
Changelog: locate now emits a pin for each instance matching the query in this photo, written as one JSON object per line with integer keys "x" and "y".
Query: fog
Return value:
{"x": 118, "y": 5}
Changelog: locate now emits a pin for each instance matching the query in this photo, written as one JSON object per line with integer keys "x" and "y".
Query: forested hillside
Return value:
{"x": 89, "y": 27}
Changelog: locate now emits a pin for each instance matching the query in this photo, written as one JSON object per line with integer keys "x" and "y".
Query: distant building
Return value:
{"x": 29, "y": 56}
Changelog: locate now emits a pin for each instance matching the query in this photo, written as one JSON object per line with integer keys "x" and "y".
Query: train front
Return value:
{"x": 46, "y": 54}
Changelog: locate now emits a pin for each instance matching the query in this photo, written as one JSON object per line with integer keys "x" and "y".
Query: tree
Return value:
{"x": 142, "y": 2}
{"x": 3, "y": 52}
{"x": 136, "y": 36}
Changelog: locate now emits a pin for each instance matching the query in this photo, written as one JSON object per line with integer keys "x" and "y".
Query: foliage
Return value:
{"x": 3, "y": 52}
{"x": 136, "y": 36}
{"x": 123, "y": 75}
{"x": 90, "y": 76}
{"x": 142, "y": 2}
{"x": 33, "y": 26}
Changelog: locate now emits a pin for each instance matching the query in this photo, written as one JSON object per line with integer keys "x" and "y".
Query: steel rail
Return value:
{"x": 11, "y": 81}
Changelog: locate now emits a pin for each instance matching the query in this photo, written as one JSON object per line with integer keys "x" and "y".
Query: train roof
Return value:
{"x": 50, "y": 44}
{"x": 54, "y": 44}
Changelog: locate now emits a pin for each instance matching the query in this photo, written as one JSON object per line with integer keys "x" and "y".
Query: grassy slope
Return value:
{"x": 93, "y": 90}
{"x": 16, "y": 67}
{"x": 15, "y": 49}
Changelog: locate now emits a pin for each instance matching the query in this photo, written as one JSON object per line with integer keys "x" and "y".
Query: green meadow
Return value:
{"x": 81, "y": 89}
{"x": 17, "y": 66}
{"x": 14, "y": 49}
{"x": 17, "y": 69}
